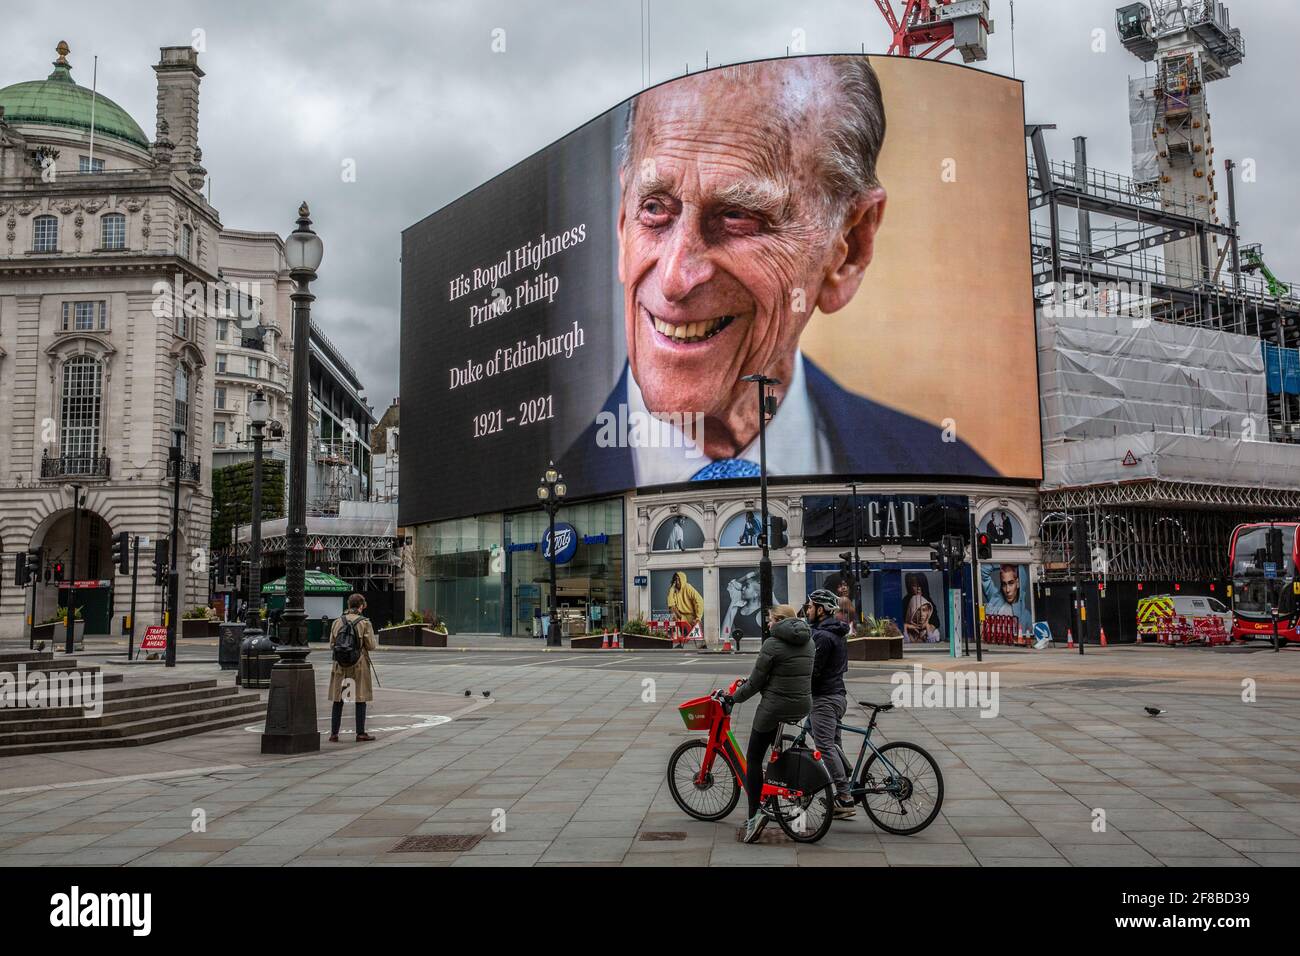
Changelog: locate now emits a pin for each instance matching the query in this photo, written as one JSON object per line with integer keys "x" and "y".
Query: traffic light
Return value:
{"x": 58, "y": 571}
{"x": 938, "y": 560}
{"x": 1082, "y": 555}
{"x": 846, "y": 566}
{"x": 985, "y": 547}
{"x": 160, "y": 561}
{"x": 1275, "y": 547}
{"x": 777, "y": 537}
{"x": 20, "y": 569}
{"x": 122, "y": 552}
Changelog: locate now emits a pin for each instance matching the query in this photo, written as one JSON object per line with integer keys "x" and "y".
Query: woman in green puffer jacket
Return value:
{"x": 783, "y": 677}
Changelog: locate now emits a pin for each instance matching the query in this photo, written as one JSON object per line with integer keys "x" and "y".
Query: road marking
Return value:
{"x": 425, "y": 720}
{"x": 162, "y": 775}
{"x": 689, "y": 660}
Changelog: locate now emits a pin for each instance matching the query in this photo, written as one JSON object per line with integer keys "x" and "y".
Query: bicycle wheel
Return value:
{"x": 807, "y": 819}
{"x": 906, "y": 803}
{"x": 713, "y": 799}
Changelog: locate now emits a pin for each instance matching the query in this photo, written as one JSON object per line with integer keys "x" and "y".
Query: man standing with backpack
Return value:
{"x": 351, "y": 639}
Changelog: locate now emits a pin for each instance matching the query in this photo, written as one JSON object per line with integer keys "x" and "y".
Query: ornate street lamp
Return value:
{"x": 291, "y": 705}
{"x": 551, "y": 494}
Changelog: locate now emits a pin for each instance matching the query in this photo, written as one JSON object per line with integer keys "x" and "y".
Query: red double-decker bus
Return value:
{"x": 1258, "y": 582}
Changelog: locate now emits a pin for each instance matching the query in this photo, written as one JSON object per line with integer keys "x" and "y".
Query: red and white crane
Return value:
{"x": 922, "y": 27}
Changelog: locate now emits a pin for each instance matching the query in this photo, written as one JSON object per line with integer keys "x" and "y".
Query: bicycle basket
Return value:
{"x": 700, "y": 713}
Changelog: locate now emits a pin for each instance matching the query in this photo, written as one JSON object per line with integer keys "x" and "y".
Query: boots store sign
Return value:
{"x": 565, "y": 543}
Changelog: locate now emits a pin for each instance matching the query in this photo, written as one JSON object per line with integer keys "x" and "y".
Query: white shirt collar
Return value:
{"x": 795, "y": 443}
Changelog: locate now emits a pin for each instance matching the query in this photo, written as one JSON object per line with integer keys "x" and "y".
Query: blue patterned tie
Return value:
{"x": 726, "y": 468}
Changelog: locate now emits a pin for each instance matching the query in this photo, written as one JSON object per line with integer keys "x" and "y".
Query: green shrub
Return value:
{"x": 636, "y": 625}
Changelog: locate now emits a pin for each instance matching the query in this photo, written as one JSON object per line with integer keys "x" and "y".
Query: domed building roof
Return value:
{"x": 58, "y": 101}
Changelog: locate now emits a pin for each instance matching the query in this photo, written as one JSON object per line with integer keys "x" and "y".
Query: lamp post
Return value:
{"x": 258, "y": 416}
{"x": 766, "y": 406}
{"x": 173, "y": 572}
{"x": 77, "y": 502}
{"x": 551, "y": 492}
{"x": 291, "y": 705}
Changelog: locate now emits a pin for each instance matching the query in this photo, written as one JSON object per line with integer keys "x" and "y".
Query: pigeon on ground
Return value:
{"x": 487, "y": 693}
{"x": 1155, "y": 711}
{"x": 466, "y": 693}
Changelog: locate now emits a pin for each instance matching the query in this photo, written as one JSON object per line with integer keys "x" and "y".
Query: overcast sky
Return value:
{"x": 415, "y": 95}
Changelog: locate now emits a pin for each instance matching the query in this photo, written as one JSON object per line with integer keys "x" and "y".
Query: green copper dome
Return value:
{"x": 58, "y": 101}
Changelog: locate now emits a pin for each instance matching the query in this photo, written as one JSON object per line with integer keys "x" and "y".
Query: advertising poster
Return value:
{"x": 1006, "y": 591}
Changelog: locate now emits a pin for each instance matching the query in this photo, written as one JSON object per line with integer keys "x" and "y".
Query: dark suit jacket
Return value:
{"x": 865, "y": 439}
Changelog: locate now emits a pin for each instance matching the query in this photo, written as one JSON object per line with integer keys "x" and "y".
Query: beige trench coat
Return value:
{"x": 359, "y": 673}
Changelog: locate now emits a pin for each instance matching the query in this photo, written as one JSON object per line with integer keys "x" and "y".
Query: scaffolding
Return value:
{"x": 335, "y": 467}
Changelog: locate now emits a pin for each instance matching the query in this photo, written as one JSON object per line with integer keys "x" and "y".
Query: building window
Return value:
{"x": 187, "y": 242}
{"x": 45, "y": 234}
{"x": 219, "y": 433}
{"x": 254, "y": 368}
{"x": 219, "y": 396}
{"x": 112, "y": 231}
{"x": 223, "y": 329}
{"x": 85, "y": 316}
{"x": 87, "y": 165}
{"x": 181, "y": 403}
{"x": 83, "y": 396}
{"x": 221, "y": 363}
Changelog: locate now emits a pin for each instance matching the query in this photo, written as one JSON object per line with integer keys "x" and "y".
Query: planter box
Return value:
{"x": 411, "y": 635}
{"x": 875, "y": 648}
{"x": 199, "y": 627}
{"x": 57, "y": 633}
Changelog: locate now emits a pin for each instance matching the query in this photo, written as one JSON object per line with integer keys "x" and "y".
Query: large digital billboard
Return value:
{"x": 854, "y": 227}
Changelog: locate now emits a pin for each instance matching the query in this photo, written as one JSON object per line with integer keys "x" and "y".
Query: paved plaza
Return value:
{"x": 564, "y": 764}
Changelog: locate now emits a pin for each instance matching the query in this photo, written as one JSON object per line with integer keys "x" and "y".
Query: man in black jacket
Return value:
{"x": 829, "y": 697}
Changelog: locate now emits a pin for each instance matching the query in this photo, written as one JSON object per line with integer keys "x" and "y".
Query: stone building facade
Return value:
{"x": 109, "y": 287}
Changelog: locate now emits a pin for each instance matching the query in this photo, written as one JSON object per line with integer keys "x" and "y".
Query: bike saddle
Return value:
{"x": 870, "y": 706}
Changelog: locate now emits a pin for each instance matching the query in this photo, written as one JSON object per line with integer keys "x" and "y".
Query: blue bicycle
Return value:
{"x": 899, "y": 785}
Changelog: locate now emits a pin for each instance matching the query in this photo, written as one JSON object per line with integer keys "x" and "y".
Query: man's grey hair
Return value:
{"x": 847, "y": 150}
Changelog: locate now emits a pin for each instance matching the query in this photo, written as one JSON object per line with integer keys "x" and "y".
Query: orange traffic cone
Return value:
{"x": 1069, "y": 637}
{"x": 726, "y": 644}
{"x": 1103, "y": 637}
{"x": 616, "y": 640}
{"x": 604, "y": 640}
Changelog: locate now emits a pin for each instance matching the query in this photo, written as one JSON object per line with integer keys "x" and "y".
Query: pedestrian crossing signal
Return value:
{"x": 122, "y": 552}
{"x": 985, "y": 546}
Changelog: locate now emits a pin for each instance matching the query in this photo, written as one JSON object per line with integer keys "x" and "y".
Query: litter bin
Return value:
{"x": 229, "y": 639}
{"x": 256, "y": 658}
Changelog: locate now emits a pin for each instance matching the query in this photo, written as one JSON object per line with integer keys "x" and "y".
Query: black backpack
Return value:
{"x": 347, "y": 645}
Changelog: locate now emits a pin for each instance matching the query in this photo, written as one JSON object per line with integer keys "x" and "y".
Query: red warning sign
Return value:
{"x": 155, "y": 638}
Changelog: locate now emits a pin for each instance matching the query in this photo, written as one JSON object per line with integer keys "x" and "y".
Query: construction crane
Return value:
{"x": 920, "y": 27}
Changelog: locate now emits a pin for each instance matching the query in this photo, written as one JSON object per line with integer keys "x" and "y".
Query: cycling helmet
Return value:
{"x": 824, "y": 599}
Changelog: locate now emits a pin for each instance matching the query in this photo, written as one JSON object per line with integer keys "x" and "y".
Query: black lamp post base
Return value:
{"x": 291, "y": 726}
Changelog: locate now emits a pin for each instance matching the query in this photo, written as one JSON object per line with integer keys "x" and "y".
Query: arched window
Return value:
{"x": 112, "y": 231}
{"x": 45, "y": 234}
{"x": 181, "y": 401}
{"x": 742, "y": 530}
{"x": 80, "y": 413}
{"x": 187, "y": 242}
{"x": 678, "y": 533}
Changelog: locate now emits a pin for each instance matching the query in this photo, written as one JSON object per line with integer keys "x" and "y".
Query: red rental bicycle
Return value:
{"x": 707, "y": 776}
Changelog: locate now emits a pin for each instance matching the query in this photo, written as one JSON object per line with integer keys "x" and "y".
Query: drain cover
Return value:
{"x": 661, "y": 836}
{"x": 438, "y": 843}
{"x": 471, "y": 720}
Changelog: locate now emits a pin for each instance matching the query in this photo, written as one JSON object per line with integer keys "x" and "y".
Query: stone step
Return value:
{"x": 24, "y": 655}
{"x": 39, "y": 722}
{"x": 115, "y": 700}
{"x": 238, "y": 717}
{"x": 146, "y": 725}
{"x": 82, "y": 672}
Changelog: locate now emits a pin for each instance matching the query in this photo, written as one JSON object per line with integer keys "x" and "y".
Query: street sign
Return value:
{"x": 1270, "y": 569}
{"x": 155, "y": 638}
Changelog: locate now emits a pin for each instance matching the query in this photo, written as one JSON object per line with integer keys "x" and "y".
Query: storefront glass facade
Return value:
{"x": 486, "y": 574}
